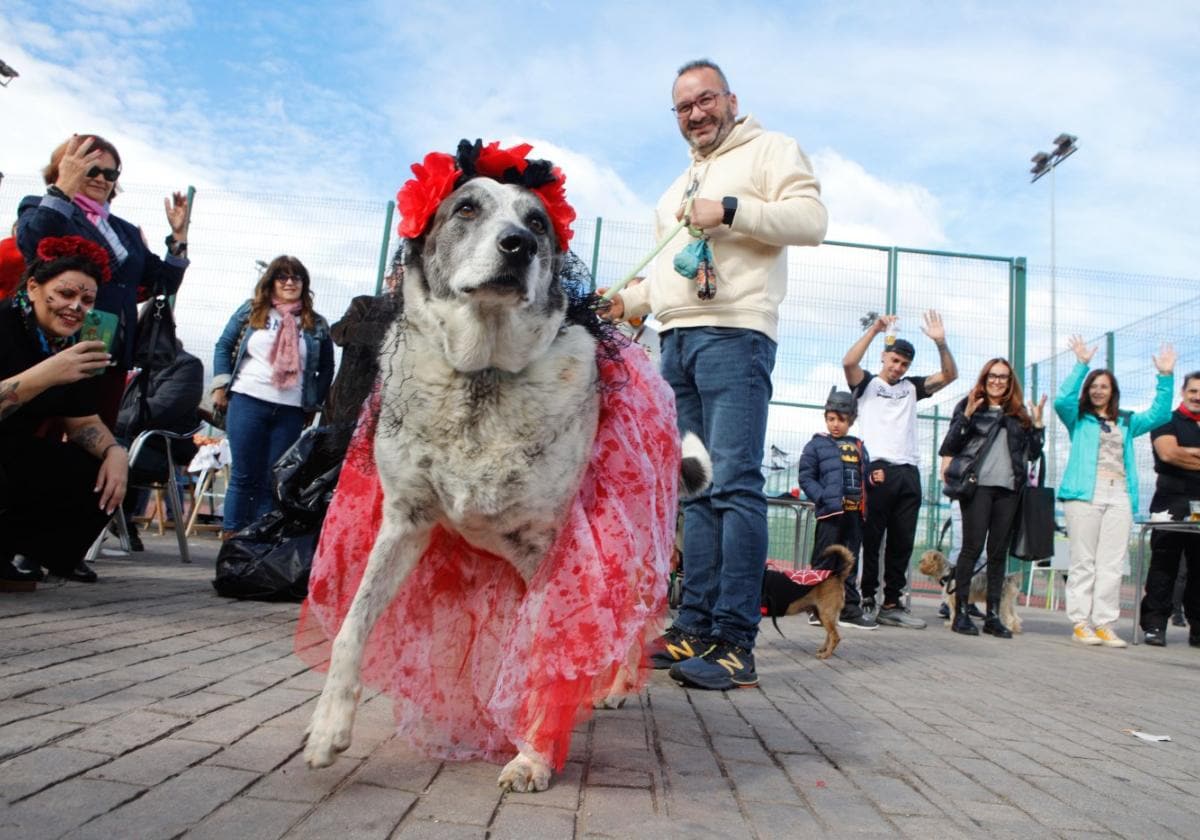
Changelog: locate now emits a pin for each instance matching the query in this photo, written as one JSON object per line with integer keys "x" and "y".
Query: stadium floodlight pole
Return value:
{"x": 1043, "y": 162}
{"x": 7, "y": 74}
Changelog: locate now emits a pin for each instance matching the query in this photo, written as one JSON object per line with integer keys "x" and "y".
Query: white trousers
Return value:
{"x": 1099, "y": 532}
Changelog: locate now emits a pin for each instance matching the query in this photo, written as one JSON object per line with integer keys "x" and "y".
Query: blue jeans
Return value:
{"x": 259, "y": 432}
{"x": 722, "y": 382}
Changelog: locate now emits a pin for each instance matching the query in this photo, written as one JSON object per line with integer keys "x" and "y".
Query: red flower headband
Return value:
{"x": 440, "y": 174}
{"x": 57, "y": 247}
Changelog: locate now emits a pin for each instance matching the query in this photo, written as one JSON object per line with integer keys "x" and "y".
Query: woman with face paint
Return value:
{"x": 81, "y": 183}
{"x": 55, "y": 496}
{"x": 1099, "y": 488}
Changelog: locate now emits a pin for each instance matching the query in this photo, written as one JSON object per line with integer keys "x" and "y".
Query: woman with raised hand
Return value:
{"x": 81, "y": 183}
{"x": 272, "y": 367}
{"x": 996, "y": 436}
{"x": 1099, "y": 488}
{"x": 55, "y": 496}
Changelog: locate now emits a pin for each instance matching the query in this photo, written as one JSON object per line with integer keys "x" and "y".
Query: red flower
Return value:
{"x": 420, "y": 196}
{"x": 434, "y": 180}
{"x": 554, "y": 198}
{"x": 55, "y": 247}
{"x": 494, "y": 161}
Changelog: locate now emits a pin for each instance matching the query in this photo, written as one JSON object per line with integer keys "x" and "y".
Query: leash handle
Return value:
{"x": 624, "y": 281}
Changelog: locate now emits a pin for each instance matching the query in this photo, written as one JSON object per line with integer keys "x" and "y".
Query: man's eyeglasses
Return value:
{"x": 289, "y": 280}
{"x": 704, "y": 102}
{"x": 998, "y": 377}
{"x": 110, "y": 175}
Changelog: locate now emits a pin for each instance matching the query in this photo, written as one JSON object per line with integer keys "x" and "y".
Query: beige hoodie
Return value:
{"x": 779, "y": 204}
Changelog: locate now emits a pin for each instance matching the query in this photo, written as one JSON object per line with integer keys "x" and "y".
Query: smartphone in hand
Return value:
{"x": 99, "y": 326}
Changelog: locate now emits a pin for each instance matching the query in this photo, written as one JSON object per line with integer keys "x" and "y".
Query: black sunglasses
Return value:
{"x": 110, "y": 175}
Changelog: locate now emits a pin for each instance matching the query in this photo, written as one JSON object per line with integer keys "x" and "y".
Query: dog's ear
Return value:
{"x": 414, "y": 260}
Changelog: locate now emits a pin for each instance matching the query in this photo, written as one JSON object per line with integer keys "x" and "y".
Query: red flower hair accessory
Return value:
{"x": 57, "y": 247}
{"x": 440, "y": 174}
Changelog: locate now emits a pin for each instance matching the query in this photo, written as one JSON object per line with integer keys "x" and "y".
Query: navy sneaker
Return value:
{"x": 675, "y": 646}
{"x": 944, "y": 610}
{"x": 722, "y": 667}
{"x": 974, "y": 611}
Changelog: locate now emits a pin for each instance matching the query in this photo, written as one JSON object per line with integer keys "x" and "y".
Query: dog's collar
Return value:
{"x": 441, "y": 174}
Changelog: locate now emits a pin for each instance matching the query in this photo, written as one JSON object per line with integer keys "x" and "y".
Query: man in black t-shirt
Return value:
{"x": 1177, "y": 462}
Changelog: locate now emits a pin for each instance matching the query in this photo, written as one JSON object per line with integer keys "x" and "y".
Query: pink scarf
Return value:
{"x": 93, "y": 210}
{"x": 285, "y": 352}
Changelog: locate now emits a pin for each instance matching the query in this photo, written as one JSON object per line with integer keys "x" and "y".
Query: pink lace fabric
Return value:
{"x": 479, "y": 666}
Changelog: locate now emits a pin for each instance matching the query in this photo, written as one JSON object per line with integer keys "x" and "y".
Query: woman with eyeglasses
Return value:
{"x": 992, "y": 438}
{"x": 81, "y": 182}
{"x": 1099, "y": 488}
{"x": 272, "y": 367}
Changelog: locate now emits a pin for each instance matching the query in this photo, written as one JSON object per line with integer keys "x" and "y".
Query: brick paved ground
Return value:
{"x": 146, "y": 707}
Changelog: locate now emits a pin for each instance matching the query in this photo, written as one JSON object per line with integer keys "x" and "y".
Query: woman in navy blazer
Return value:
{"x": 81, "y": 182}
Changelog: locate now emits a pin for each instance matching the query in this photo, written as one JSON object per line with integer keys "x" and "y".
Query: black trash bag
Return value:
{"x": 306, "y": 475}
{"x": 267, "y": 561}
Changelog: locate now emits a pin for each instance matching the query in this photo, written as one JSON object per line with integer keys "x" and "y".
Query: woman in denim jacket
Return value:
{"x": 272, "y": 366}
{"x": 1099, "y": 487}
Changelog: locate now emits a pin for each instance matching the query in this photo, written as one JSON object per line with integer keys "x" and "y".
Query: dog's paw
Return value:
{"x": 329, "y": 730}
{"x": 612, "y": 701}
{"x": 525, "y": 774}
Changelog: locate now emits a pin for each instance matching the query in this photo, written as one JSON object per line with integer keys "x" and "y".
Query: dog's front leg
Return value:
{"x": 397, "y": 549}
{"x": 526, "y": 773}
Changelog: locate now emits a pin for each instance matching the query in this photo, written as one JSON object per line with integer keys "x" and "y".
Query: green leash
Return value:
{"x": 620, "y": 284}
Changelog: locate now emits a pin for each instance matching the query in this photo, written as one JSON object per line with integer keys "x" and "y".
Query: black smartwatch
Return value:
{"x": 729, "y": 202}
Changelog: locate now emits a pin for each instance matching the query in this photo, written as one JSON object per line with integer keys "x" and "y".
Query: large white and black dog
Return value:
{"x": 489, "y": 407}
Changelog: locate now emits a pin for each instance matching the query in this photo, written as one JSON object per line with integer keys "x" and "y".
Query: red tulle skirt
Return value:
{"x": 479, "y": 665}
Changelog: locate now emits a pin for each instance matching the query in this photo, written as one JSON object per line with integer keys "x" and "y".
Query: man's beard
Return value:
{"x": 724, "y": 125}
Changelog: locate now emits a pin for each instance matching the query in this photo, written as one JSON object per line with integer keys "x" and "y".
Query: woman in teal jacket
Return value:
{"x": 1099, "y": 487}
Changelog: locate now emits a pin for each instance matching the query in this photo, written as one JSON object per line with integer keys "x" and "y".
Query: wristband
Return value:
{"x": 57, "y": 193}
{"x": 174, "y": 247}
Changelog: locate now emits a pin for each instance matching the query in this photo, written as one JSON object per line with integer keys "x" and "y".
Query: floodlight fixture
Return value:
{"x": 7, "y": 74}
{"x": 1041, "y": 165}
{"x": 1064, "y": 147}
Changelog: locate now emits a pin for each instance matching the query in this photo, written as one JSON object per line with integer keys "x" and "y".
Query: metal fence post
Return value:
{"x": 934, "y": 488}
{"x": 1016, "y": 318}
{"x": 890, "y": 303}
{"x": 383, "y": 247}
{"x": 1110, "y": 351}
{"x": 596, "y": 250}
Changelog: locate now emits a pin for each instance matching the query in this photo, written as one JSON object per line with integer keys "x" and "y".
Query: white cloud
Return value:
{"x": 866, "y": 208}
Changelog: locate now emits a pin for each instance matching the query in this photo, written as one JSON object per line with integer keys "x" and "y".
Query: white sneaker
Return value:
{"x": 1085, "y": 635}
{"x": 1108, "y": 638}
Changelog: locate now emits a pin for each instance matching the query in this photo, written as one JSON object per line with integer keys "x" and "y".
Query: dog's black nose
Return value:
{"x": 517, "y": 245}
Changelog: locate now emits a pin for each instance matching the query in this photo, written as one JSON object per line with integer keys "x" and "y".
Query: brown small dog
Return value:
{"x": 935, "y": 565}
{"x": 821, "y": 588}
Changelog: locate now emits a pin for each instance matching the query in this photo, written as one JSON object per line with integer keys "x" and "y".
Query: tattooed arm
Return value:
{"x": 93, "y": 437}
{"x": 71, "y": 365}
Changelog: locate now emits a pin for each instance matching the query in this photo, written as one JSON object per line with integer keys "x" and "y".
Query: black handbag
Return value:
{"x": 154, "y": 342}
{"x": 962, "y": 475}
{"x": 1033, "y": 531}
{"x": 154, "y": 347}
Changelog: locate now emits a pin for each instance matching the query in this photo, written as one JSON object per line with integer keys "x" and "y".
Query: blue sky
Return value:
{"x": 920, "y": 117}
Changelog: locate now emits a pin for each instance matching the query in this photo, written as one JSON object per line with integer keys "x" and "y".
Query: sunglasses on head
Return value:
{"x": 110, "y": 175}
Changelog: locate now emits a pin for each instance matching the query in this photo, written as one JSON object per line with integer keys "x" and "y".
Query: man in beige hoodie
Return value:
{"x": 752, "y": 194}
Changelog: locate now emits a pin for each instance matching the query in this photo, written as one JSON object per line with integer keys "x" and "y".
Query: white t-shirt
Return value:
{"x": 887, "y": 418}
{"x": 253, "y": 378}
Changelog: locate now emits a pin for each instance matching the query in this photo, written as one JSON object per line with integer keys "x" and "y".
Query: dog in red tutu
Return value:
{"x": 496, "y": 553}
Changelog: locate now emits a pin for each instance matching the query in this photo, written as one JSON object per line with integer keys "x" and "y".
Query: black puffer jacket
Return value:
{"x": 966, "y": 434}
